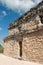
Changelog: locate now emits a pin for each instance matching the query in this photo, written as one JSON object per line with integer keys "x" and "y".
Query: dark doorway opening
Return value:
{"x": 20, "y": 44}
{"x": 41, "y": 18}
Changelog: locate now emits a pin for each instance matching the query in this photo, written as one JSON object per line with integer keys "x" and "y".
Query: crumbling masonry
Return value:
{"x": 25, "y": 36}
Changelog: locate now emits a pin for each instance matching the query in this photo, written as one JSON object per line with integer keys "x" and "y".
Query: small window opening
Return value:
{"x": 20, "y": 44}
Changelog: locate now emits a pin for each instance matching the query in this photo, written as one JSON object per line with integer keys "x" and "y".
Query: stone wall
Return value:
{"x": 33, "y": 47}
{"x": 13, "y": 31}
{"x": 16, "y": 53}
{"x": 29, "y": 25}
{"x": 28, "y": 29}
{"x": 11, "y": 48}
{"x": 8, "y": 47}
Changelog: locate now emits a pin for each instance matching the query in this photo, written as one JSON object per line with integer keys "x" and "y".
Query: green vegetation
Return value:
{"x": 1, "y": 48}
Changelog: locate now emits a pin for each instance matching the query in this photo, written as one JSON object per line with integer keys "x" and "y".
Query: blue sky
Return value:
{"x": 6, "y": 17}
{"x": 10, "y": 10}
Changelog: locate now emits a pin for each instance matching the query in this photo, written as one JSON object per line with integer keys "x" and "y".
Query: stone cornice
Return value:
{"x": 24, "y": 33}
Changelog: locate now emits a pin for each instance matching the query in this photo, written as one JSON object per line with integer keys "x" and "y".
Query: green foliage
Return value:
{"x": 1, "y": 48}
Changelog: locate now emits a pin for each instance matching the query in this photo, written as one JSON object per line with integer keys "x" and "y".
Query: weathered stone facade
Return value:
{"x": 25, "y": 38}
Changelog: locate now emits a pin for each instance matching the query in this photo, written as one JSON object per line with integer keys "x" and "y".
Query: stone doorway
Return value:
{"x": 41, "y": 18}
{"x": 20, "y": 45}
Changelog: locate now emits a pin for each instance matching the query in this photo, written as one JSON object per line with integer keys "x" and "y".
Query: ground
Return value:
{"x": 5, "y": 60}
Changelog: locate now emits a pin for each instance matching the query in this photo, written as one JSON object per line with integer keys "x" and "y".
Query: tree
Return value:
{"x": 1, "y": 48}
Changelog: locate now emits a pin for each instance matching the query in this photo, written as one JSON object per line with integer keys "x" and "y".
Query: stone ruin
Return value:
{"x": 25, "y": 36}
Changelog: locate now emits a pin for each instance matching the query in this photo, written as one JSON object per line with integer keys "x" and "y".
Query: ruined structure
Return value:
{"x": 25, "y": 36}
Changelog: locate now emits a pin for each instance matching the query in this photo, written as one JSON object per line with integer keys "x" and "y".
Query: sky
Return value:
{"x": 10, "y": 10}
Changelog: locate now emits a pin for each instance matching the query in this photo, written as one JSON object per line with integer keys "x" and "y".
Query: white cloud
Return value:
{"x": 4, "y": 13}
{"x": 0, "y": 28}
{"x": 19, "y": 5}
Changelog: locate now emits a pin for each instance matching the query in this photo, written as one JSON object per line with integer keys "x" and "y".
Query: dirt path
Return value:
{"x": 4, "y": 60}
